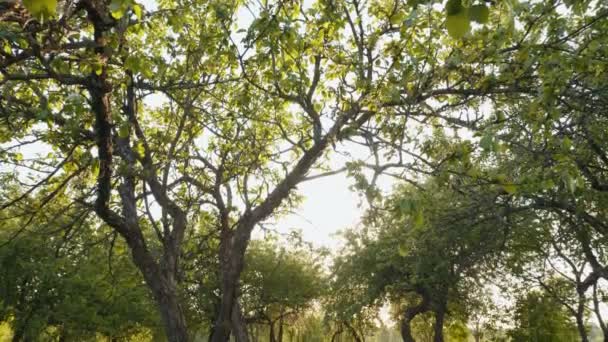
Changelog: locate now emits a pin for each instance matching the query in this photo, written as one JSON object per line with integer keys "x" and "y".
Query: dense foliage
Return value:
{"x": 143, "y": 144}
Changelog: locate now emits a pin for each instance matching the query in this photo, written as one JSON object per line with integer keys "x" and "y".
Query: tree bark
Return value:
{"x": 238, "y": 324}
{"x": 271, "y": 335}
{"x": 18, "y": 334}
{"x": 172, "y": 316}
{"x": 232, "y": 259}
{"x": 336, "y": 335}
{"x": 598, "y": 313}
{"x": 580, "y": 326}
{"x": 281, "y": 328}
{"x": 438, "y": 327}
{"x": 353, "y": 332}
{"x": 159, "y": 278}
{"x": 409, "y": 315}
{"x": 233, "y": 242}
{"x": 580, "y": 316}
{"x": 163, "y": 286}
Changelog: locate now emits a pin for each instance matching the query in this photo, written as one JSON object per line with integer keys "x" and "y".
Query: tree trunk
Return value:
{"x": 353, "y": 332}
{"x": 160, "y": 278}
{"x": 172, "y": 316}
{"x": 580, "y": 317}
{"x": 238, "y": 324}
{"x": 580, "y": 325}
{"x": 406, "y": 329}
{"x": 438, "y": 327}
{"x": 409, "y": 315}
{"x": 477, "y": 333}
{"x": 163, "y": 287}
{"x": 271, "y": 336}
{"x": 598, "y": 313}
{"x": 18, "y": 334}
{"x": 250, "y": 329}
{"x": 334, "y": 337}
{"x": 232, "y": 259}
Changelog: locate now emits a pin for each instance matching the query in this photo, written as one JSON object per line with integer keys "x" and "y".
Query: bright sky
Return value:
{"x": 328, "y": 206}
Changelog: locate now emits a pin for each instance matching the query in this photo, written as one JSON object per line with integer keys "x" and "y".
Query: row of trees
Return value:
{"x": 168, "y": 134}
{"x": 80, "y": 285}
{"x": 520, "y": 207}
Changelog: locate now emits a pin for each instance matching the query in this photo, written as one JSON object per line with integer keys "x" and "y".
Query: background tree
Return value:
{"x": 280, "y": 285}
{"x": 423, "y": 250}
{"x": 71, "y": 284}
{"x": 539, "y": 317}
{"x": 180, "y": 123}
{"x": 241, "y": 122}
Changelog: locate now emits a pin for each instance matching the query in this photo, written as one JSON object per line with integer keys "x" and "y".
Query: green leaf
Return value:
{"x": 419, "y": 219}
{"x": 397, "y": 18}
{"x": 95, "y": 167}
{"x": 41, "y": 9}
{"x": 43, "y": 114}
{"x": 118, "y": 8}
{"x": 569, "y": 182}
{"x": 123, "y": 130}
{"x": 402, "y": 250}
{"x": 98, "y": 68}
{"x": 566, "y": 143}
{"x": 510, "y": 188}
{"x": 132, "y": 63}
{"x": 458, "y": 25}
{"x": 138, "y": 11}
{"x": 500, "y": 178}
{"x": 548, "y": 184}
{"x": 139, "y": 149}
{"x": 405, "y": 206}
{"x": 454, "y": 7}
{"x": 487, "y": 142}
{"x": 479, "y": 14}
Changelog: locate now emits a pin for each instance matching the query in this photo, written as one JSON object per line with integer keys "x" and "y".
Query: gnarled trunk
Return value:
{"x": 353, "y": 332}
{"x": 232, "y": 260}
{"x": 164, "y": 289}
{"x": 409, "y": 315}
{"x": 172, "y": 316}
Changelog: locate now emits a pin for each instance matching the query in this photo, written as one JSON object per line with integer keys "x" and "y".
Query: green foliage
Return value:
{"x": 41, "y": 9}
{"x": 281, "y": 283}
{"x": 69, "y": 286}
{"x": 538, "y": 317}
{"x": 479, "y": 13}
{"x": 427, "y": 242}
{"x": 458, "y": 25}
{"x": 213, "y": 121}
{"x": 458, "y": 18}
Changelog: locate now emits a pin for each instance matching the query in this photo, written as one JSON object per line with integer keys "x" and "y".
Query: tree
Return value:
{"x": 549, "y": 150}
{"x": 540, "y": 318}
{"x": 280, "y": 284}
{"x": 423, "y": 250}
{"x": 76, "y": 76}
{"x": 65, "y": 284}
{"x": 176, "y": 122}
